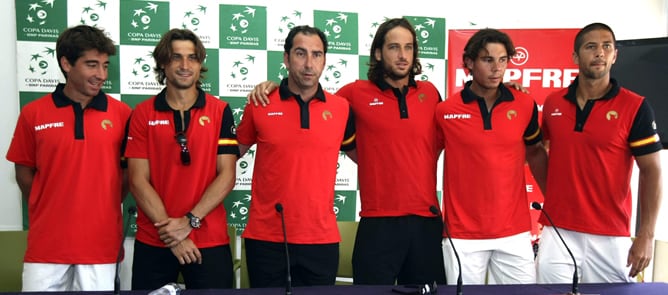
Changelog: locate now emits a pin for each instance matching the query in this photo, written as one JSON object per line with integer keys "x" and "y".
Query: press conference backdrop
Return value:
{"x": 244, "y": 46}
{"x": 629, "y": 19}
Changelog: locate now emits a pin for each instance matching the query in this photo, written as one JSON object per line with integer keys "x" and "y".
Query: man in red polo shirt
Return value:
{"x": 595, "y": 129}
{"x": 67, "y": 154}
{"x": 489, "y": 131}
{"x": 182, "y": 154}
{"x": 400, "y": 230}
{"x": 298, "y": 141}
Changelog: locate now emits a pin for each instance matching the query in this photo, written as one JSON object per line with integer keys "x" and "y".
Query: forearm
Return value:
{"x": 219, "y": 188}
{"x": 146, "y": 196}
{"x": 649, "y": 200}
{"x": 148, "y": 201}
{"x": 536, "y": 156}
{"x": 649, "y": 193}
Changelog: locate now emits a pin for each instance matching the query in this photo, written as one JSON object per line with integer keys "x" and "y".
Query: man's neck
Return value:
{"x": 76, "y": 96}
{"x": 589, "y": 89}
{"x": 399, "y": 84}
{"x": 306, "y": 94}
{"x": 490, "y": 95}
{"x": 181, "y": 99}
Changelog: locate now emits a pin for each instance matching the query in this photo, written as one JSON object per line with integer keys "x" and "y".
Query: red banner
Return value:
{"x": 543, "y": 64}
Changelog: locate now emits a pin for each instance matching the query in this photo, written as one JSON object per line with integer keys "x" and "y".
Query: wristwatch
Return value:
{"x": 195, "y": 222}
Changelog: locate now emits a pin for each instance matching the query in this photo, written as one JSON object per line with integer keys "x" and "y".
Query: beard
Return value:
{"x": 394, "y": 75}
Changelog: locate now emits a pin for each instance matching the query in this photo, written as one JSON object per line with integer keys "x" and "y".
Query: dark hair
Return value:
{"x": 376, "y": 70}
{"x": 162, "y": 54}
{"x": 74, "y": 41}
{"x": 481, "y": 38}
{"x": 579, "y": 38}
{"x": 306, "y": 30}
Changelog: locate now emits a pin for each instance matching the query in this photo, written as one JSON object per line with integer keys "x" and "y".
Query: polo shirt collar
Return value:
{"x": 285, "y": 92}
{"x": 162, "y": 105}
{"x": 383, "y": 85}
{"x": 99, "y": 101}
{"x": 468, "y": 95}
{"x": 571, "y": 95}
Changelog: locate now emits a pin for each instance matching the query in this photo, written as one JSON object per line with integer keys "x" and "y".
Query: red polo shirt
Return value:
{"x": 484, "y": 189}
{"x": 209, "y": 126}
{"x": 74, "y": 208}
{"x": 298, "y": 146}
{"x": 591, "y": 158}
{"x": 397, "y": 147}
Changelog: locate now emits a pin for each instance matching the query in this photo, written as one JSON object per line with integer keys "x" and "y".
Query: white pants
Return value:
{"x": 600, "y": 259}
{"x": 68, "y": 277}
{"x": 507, "y": 260}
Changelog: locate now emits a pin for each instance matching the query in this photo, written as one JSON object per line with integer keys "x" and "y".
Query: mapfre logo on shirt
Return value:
{"x": 376, "y": 102}
{"x": 49, "y": 126}
{"x": 158, "y": 123}
{"x": 456, "y": 116}
{"x": 555, "y": 113}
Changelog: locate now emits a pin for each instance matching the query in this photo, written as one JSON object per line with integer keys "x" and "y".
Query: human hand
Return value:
{"x": 186, "y": 252}
{"x": 260, "y": 94}
{"x": 517, "y": 86}
{"x": 640, "y": 255}
{"x": 173, "y": 230}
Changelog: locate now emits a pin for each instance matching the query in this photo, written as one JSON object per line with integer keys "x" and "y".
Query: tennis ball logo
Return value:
{"x": 91, "y": 14}
{"x": 141, "y": 68}
{"x": 141, "y": 18}
{"x": 288, "y": 21}
{"x": 37, "y": 13}
{"x": 239, "y": 210}
{"x": 192, "y": 18}
{"x": 39, "y": 62}
{"x": 240, "y": 21}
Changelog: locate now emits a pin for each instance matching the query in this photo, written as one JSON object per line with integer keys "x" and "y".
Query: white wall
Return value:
{"x": 630, "y": 20}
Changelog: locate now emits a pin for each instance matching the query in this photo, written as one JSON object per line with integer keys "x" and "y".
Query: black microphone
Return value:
{"x": 436, "y": 212}
{"x": 288, "y": 282}
{"x": 574, "y": 288}
{"x": 132, "y": 210}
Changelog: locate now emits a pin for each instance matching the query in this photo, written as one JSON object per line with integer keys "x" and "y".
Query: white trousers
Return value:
{"x": 507, "y": 260}
{"x": 68, "y": 277}
{"x": 600, "y": 259}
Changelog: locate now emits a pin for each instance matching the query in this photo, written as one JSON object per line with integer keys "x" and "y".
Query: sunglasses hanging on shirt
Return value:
{"x": 183, "y": 143}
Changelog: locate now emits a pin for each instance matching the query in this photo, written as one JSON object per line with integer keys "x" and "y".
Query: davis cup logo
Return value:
{"x": 141, "y": 67}
{"x": 240, "y": 69}
{"x": 332, "y": 26}
{"x": 521, "y": 56}
{"x": 90, "y": 15}
{"x": 339, "y": 201}
{"x": 39, "y": 62}
{"x": 332, "y": 74}
{"x": 238, "y": 114}
{"x": 192, "y": 18}
{"x": 287, "y": 22}
{"x": 239, "y": 210}
{"x": 426, "y": 67}
{"x": 37, "y": 13}
{"x": 141, "y": 19}
{"x": 240, "y": 22}
{"x": 422, "y": 30}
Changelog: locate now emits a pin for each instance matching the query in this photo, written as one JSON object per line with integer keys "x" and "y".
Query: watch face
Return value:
{"x": 195, "y": 222}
